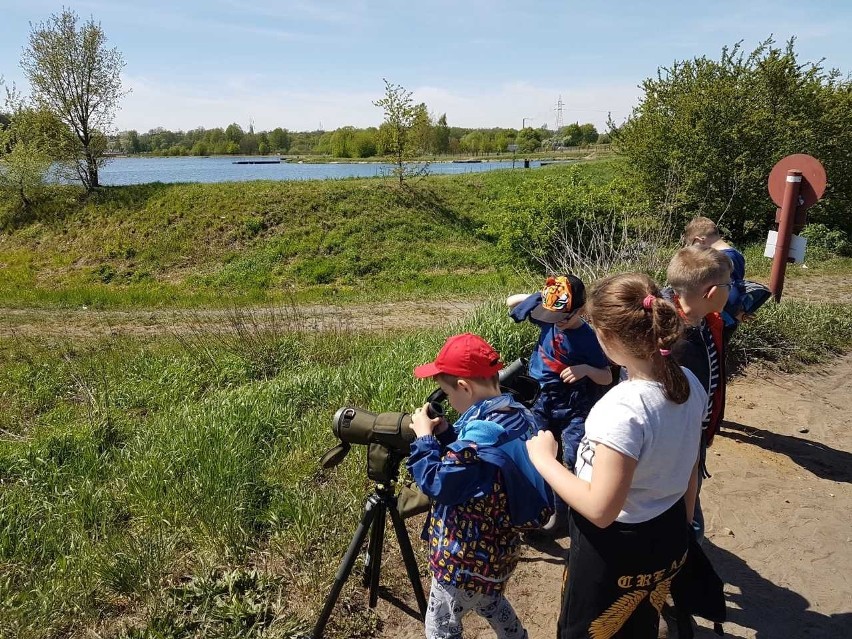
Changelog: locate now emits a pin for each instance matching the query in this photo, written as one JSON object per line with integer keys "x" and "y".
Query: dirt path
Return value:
{"x": 777, "y": 510}
{"x": 87, "y": 323}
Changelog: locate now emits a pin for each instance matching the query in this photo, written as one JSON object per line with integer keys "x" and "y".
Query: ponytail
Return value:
{"x": 629, "y": 307}
{"x": 667, "y": 327}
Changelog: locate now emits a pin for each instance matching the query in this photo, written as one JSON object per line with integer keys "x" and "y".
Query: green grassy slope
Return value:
{"x": 191, "y": 244}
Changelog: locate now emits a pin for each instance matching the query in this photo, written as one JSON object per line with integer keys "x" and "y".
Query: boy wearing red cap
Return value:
{"x": 482, "y": 485}
{"x": 568, "y": 364}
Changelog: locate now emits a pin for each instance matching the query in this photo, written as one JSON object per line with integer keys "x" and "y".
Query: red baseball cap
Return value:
{"x": 465, "y": 355}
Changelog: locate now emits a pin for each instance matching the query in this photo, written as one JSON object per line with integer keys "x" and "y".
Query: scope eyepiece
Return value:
{"x": 435, "y": 409}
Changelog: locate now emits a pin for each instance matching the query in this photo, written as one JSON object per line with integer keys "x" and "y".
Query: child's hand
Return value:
{"x": 575, "y": 373}
{"x": 423, "y": 425}
{"x": 513, "y": 300}
{"x": 542, "y": 447}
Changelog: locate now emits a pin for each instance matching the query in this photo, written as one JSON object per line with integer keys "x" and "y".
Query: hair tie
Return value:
{"x": 648, "y": 302}
{"x": 665, "y": 352}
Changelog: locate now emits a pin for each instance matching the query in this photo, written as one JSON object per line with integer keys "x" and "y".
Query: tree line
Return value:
{"x": 430, "y": 135}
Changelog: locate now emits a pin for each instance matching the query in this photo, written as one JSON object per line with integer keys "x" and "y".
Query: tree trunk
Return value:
{"x": 92, "y": 170}
{"x": 25, "y": 201}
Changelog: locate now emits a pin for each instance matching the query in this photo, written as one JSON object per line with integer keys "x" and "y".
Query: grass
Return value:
{"x": 190, "y": 245}
{"x": 171, "y": 488}
{"x": 793, "y": 334}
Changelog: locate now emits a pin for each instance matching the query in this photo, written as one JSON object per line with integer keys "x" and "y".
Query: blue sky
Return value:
{"x": 303, "y": 64}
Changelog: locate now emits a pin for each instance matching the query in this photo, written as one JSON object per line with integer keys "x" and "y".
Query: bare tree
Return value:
{"x": 592, "y": 249}
{"x": 75, "y": 76}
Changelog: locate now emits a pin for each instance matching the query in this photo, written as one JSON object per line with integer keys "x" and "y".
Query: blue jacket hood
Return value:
{"x": 528, "y": 493}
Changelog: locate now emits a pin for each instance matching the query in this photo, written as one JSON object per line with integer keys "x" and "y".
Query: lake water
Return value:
{"x": 222, "y": 169}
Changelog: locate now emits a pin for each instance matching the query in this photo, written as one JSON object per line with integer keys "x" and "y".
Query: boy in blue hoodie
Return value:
{"x": 568, "y": 364}
{"x": 484, "y": 489}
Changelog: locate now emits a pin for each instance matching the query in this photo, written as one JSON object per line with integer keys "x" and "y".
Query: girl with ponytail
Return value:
{"x": 636, "y": 475}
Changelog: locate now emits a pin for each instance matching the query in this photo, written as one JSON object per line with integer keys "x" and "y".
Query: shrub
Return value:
{"x": 825, "y": 242}
{"x": 707, "y": 132}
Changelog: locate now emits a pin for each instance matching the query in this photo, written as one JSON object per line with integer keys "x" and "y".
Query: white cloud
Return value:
{"x": 248, "y": 98}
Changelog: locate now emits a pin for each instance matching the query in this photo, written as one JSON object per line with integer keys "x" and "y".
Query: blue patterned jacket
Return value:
{"x": 484, "y": 490}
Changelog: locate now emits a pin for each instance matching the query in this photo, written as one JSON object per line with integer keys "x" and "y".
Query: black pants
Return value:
{"x": 618, "y": 577}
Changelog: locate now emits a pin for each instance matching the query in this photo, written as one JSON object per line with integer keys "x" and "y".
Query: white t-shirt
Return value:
{"x": 636, "y": 419}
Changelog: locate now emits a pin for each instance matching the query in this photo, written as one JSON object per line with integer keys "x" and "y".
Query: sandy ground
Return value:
{"x": 778, "y": 516}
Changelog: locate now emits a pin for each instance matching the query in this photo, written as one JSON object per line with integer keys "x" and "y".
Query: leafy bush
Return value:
{"x": 533, "y": 224}
{"x": 706, "y": 134}
{"x": 825, "y": 242}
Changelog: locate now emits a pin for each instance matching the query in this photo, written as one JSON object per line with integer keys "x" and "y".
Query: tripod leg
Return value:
{"x": 408, "y": 558}
{"x": 346, "y": 564}
{"x": 375, "y": 566}
{"x": 372, "y": 548}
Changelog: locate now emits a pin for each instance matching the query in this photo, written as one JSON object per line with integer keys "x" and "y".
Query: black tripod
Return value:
{"x": 379, "y": 503}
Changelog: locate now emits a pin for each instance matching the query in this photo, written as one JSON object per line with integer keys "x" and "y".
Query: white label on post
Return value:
{"x": 797, "y": 246}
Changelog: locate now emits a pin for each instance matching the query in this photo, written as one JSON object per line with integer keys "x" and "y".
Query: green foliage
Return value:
{"x": 825, "y": 242}
{"x": 706, "y": 134}
{"x": 60, "y": 56}
{"x": 234, "y": 133}
{"x": 528, "y": 139}
{"x": 575, "y": 135}
{"x": 279, "y": 140}
{"x": 530, "y": 222}
{"x": 30, "y": 140}
{"x": 348, "y": 142}
{"x": 397, "y": 134}
{"x": 588, "y": 133}
{"x": 422, "y": 131}
{"x": 22, "y": 182}
{"x": 442, "y": 135}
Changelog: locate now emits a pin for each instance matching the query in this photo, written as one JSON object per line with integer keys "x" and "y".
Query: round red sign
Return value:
{"x": 813, "y": 179}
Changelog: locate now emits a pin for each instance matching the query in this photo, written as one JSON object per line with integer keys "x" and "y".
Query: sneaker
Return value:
{"x": 554, "y": 528}
{"x": 550, "y": 524}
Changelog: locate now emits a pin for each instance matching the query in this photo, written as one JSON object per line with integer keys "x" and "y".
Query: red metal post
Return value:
{"x": 785, "y": 232}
